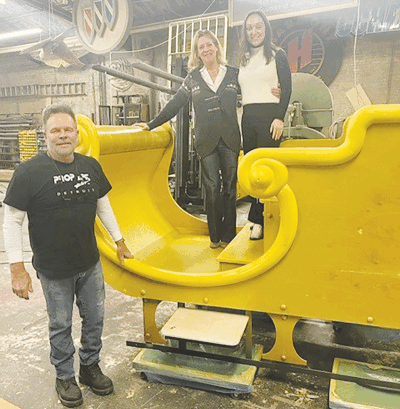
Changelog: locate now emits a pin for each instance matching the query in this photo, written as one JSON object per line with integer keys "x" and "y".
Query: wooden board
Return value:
{"x": 205, "y": 326}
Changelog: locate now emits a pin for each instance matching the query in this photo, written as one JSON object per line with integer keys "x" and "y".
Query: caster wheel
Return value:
{"x": 143, "y": 376}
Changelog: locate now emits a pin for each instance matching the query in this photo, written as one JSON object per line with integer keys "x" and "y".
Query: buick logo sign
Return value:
{"x": 103, "y": 25}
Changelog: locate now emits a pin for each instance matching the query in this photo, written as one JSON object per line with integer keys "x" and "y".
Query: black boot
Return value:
{"x": 92, "y": 376}
{"x": 69, "y": 393}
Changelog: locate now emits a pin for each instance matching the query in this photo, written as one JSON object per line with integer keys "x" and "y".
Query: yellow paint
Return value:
{"x": 6, "y": 405}
{"x": 151, "y": 331}
{"x": 262, "y": 178}
{"x": 283, "y": 349}
{"x": 332, "y": 226}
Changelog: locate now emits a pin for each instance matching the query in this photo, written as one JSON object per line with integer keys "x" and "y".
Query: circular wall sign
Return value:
{"x": 103, "y": 25}
{"x": 311, "y": 48}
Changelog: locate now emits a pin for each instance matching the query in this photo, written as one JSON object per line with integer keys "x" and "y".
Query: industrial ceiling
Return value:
{"x": 53, "y": 17}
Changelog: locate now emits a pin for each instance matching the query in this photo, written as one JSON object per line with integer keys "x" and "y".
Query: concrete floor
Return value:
{"x": 27, "y": 377}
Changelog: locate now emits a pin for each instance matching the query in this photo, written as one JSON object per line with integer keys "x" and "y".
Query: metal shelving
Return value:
{"x": 63, "y": 89}
{"x": 10, "y": 128}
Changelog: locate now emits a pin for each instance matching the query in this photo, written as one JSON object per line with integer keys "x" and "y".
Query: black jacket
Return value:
{"x": 215, "y": 112}
{"x": 285, "y": 81}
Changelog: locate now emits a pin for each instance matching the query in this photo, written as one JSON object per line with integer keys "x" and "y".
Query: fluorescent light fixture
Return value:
{"x": 3, "y": 2}
{"x": 22, "y": 33}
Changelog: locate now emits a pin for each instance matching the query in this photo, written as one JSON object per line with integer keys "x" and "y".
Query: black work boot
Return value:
{"x": 68, "y": 392}
{"x": 92, "y": 376}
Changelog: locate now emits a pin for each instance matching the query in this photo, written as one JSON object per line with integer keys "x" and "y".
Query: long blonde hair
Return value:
{"x": 194, "y": 59}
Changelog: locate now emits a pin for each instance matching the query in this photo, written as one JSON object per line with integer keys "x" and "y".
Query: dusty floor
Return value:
{"x": 27, "y": 377}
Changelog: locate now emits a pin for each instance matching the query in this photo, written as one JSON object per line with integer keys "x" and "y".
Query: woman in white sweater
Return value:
{"x": 263, "y": 67}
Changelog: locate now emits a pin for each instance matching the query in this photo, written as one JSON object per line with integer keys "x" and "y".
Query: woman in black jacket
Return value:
{"x": 263, "y": 67}
{"x": 213, "y": 87}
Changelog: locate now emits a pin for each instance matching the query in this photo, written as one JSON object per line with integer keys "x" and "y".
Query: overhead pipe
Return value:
{"x": 156, "y": 71}
{"x": 128, "y": 77}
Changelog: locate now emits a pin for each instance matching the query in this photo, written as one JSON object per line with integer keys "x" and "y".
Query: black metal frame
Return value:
{"x": 281, "y": 366}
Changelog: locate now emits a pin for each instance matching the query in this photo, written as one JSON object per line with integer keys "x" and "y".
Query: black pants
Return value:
{"x": 256, "y": 124}
{"x": 220, "y": 205}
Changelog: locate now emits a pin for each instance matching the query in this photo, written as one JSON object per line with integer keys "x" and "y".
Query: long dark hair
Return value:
{"x": 269, "y": 47}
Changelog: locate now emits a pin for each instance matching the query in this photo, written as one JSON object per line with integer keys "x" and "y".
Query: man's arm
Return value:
{"x": 107, "y": 217}
{"x": 12, "y": 231}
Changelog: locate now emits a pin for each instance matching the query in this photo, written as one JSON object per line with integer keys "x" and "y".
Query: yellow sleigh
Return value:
{"x": 332, "y": 220}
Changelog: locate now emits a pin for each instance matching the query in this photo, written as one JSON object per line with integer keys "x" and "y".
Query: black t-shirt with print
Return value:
{"x": 60, "y": 200}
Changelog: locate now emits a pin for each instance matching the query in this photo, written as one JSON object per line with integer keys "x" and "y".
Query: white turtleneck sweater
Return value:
{"x": 257, "y": 78}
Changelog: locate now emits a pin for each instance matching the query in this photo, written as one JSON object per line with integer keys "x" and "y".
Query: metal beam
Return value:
{"x": 156, "y": 71}
{"x": 43, "y": 5}
{"x": 127, "y": 77}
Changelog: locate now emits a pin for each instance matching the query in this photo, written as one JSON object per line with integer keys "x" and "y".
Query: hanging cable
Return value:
{"x": 151, "y": 47}
{"x": 354, "y": 53}
{"x": 172, "y": 11}
{"x": 205, "y": 11}
{"x": 164, "y": 42}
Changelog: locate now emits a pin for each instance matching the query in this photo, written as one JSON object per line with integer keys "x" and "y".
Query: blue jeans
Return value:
{"x": 220, "y": 206}
{"x": 88, "y": 289}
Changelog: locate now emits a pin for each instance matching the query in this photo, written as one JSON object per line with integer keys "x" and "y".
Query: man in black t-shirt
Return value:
{"x": 61, "y": 192}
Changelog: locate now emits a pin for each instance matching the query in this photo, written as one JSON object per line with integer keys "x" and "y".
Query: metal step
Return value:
{"x": 241, "y": 250}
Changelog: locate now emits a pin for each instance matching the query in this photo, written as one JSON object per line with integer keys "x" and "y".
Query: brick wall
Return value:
{"x": 378, "y": 71}
{"x": 16, "y": 70}
{"x": 377, "y": 68}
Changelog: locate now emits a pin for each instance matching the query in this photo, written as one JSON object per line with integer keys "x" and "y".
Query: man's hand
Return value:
{"x": 20, "y": 280}
{"x": 122, "y": 251}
